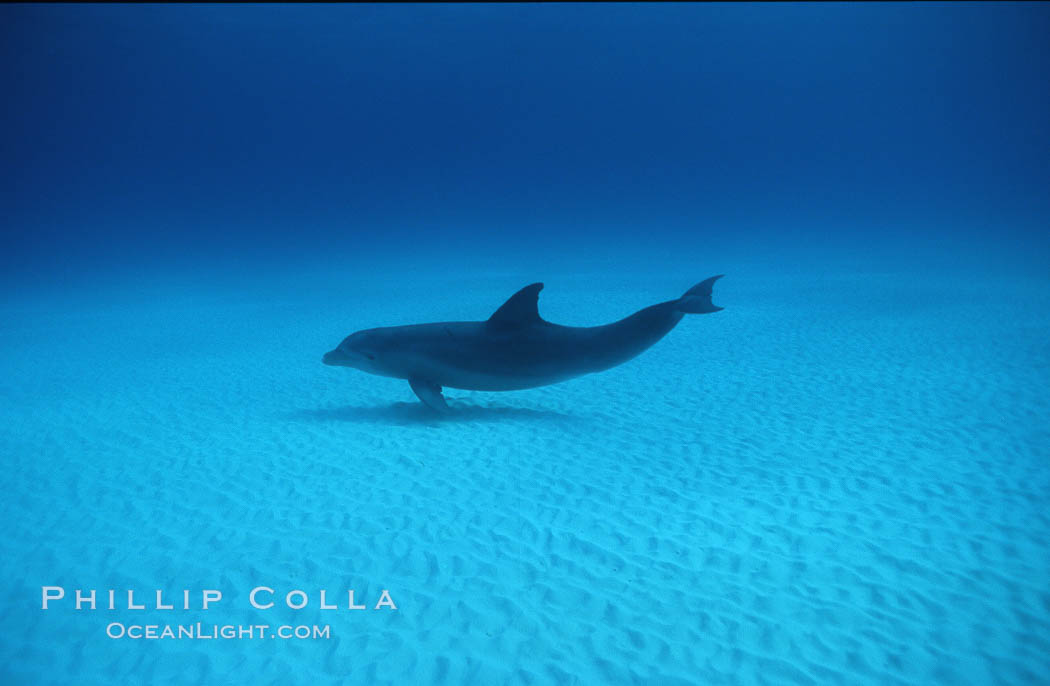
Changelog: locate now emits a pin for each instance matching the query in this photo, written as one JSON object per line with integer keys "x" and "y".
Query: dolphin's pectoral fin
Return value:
{"x": 428, "y": 392}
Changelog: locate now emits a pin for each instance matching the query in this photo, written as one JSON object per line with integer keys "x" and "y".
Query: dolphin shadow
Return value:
{"x": 412, "y": 413}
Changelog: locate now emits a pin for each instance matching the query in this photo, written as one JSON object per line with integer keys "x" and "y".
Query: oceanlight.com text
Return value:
{"x": 205, "y": 632}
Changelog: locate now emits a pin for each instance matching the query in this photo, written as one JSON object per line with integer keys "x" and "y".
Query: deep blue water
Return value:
{"x": 197, "y": 201}
{"x": 166, "y": 132}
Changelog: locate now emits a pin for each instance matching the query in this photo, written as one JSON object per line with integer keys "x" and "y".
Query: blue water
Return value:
{"x": 842, "y": 477}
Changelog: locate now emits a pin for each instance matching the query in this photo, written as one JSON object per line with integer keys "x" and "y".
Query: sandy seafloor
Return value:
{"x": 841, "y": 478}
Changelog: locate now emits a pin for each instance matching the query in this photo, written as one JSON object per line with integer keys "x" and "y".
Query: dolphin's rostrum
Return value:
{"x": 513, "y": 349}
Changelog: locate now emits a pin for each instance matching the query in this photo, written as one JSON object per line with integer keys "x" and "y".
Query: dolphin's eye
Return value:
{"x": 370, "y": 356}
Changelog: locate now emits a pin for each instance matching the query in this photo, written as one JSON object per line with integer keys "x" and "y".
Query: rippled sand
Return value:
{"x": 838, "y": 479}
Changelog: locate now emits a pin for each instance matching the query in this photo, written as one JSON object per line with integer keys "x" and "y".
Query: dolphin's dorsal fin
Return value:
{"x": 520, "y": 308}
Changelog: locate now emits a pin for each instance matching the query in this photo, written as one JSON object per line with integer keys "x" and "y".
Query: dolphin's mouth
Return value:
{"x": 334, "y": 357}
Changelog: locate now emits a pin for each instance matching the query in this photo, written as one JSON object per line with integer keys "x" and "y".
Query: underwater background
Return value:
{"x": 843, "y": 477}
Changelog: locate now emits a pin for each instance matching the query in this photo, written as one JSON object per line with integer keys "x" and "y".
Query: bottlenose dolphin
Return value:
{"x": 513, "y": 349}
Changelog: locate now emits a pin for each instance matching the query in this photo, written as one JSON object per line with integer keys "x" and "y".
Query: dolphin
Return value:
{"x": 511, "y": 350}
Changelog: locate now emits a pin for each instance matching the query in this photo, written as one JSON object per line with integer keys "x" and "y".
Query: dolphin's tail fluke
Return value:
{"x": 697, "y": 300}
